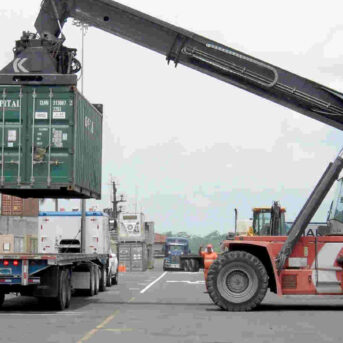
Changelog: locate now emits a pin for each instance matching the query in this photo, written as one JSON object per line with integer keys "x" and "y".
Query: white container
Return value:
{"x": 131, "y": 227}
{"x": 61, "y": 232}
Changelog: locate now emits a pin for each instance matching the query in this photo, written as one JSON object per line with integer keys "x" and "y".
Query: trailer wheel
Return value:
{"x": 2, "y": 298}
{"x": 237, "y": 281}
{"x": 187, "y": 266}
{"x": 61, "y": 299}
{"x": 97, "y": 280}
{"x": 194, "y": 265}
{"x": 109, "y": 279}
{"x": 91, "y": 291}
{"x": 68, "y": 289}
{"x": 103, "y": 280}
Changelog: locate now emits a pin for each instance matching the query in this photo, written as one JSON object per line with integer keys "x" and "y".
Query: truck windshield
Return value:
{"x": 336, "y": 210}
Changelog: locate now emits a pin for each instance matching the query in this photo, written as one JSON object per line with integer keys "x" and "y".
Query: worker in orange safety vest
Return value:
{"x": 209, "y": 257}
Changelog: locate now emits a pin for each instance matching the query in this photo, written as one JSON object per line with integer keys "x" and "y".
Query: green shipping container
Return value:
{"x": 51, "y": 143}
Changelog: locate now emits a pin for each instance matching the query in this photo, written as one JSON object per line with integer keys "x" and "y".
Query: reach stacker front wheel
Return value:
{"x": 237, "y": 281}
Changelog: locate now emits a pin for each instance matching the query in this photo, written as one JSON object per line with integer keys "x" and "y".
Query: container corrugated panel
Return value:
{"x": 133, "y": 256}
{"x": 50, "y": 143}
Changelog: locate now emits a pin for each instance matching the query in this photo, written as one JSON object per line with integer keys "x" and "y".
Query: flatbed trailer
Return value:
{"x": 53, "y": 276}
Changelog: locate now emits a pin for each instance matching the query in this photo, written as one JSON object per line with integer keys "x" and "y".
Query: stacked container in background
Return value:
{"x": 133, "y": 256}
{"x": 136, "y": 239}
{"x": 13, "y": 206}
{"x": 150, "y": 238}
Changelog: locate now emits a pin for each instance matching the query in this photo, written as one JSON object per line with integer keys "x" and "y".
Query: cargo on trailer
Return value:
{"x": 60, "y": 232}
{"x": 50, "y": 143}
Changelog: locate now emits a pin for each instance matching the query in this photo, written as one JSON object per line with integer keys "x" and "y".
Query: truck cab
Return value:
{"x": 174, "y": 248}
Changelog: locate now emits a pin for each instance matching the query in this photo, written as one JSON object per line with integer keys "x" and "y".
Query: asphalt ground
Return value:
{"x": 169, "y": 307}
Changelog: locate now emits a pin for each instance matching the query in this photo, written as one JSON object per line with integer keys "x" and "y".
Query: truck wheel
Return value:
{"x": 187, "y": 266}
{"x": 103, "y": 280}
{"x": 91, "y": 291}
{"x": 61, "y": 299}
{"x": 2, "y": 298}
{"x": 115, "y": 279}
{"x": 195, "y": 266}
{"x": 109, "y": 279}
{"x": 68, "y": 289}
{"x": 237, "y": 281}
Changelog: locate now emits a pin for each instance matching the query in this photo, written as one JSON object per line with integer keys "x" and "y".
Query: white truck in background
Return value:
{"x": 60, "y": 268}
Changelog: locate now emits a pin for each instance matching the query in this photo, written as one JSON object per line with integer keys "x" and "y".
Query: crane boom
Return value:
{"x": 194, "y": 51}
{"x": 44, "y": 60}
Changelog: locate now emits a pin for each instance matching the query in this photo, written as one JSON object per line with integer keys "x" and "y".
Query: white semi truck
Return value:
{"x": 60, "y": 268}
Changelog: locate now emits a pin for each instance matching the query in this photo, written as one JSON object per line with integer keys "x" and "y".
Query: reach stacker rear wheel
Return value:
{"x": 237, "y": 281}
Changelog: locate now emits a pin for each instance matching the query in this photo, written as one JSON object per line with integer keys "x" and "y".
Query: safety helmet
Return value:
{"x": 209, "y": 246}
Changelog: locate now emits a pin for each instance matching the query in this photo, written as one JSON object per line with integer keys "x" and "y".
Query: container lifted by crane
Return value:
{"x": 239, "y": 279}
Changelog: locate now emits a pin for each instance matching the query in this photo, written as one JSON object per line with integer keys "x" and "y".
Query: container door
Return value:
{"x": 51, "y": 120}
{"x": 125, "y": 256}
{"x": 12, "y": 108}
{"x": 137, "y": 258}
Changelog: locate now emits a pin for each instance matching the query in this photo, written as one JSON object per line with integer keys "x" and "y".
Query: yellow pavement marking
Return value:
{"x": 132, "y": 299}
{"x": 100, "y": 326}
{"x": 119, "y": 330}
{"x": 107, "y": 320}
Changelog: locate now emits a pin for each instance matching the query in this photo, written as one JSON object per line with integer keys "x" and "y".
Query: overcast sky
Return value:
{"x": 194, "y": 148}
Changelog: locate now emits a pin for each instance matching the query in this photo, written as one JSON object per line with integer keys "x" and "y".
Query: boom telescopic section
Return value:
{"x": 197, "y": 52}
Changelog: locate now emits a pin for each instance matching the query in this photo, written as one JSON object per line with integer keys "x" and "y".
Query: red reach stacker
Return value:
{"x": 239, "y": 279}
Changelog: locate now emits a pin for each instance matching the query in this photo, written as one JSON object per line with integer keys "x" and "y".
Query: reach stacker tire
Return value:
{"x": 237, "y": 281}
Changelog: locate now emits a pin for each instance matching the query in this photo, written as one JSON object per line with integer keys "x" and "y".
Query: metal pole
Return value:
{"x": 236, "y": 219}
{"x": 83, "y": 201}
